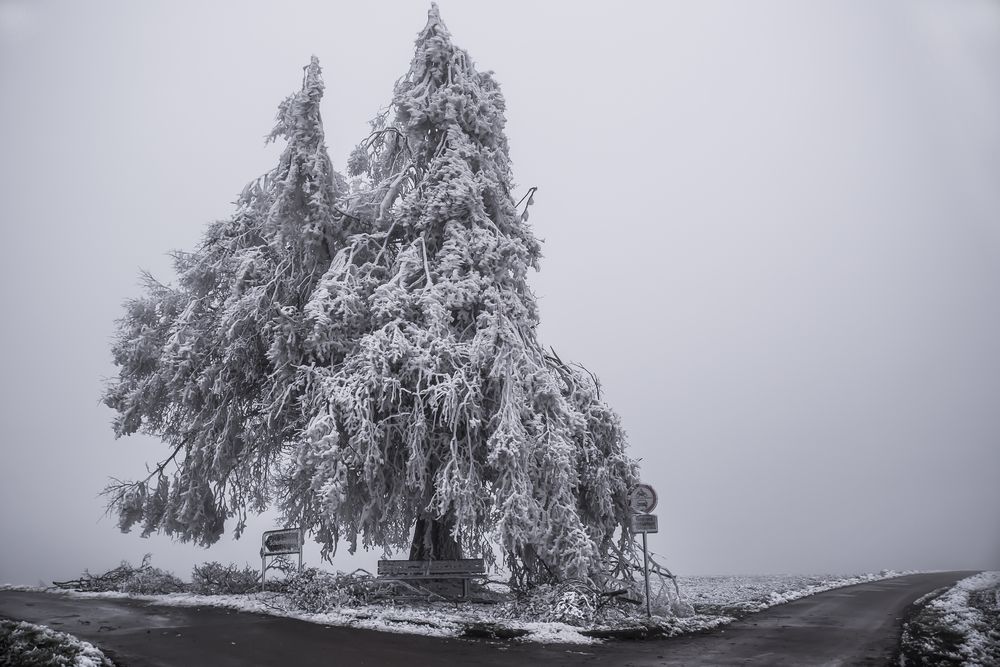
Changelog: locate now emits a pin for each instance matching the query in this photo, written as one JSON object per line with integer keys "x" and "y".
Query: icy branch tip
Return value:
{"x": 434, "y": 20}
{"x": 311, "y": 73}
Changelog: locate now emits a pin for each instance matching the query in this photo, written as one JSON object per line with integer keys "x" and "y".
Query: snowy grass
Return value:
{"x": 29, "y": 644}
{"x": 961, "y": 626}
{"x": 437, "y": 619}
{"x": 715, "y": 600}
{"x": 738, "y": 596}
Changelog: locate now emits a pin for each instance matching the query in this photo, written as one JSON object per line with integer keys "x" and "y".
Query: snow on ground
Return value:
{"x": 19, "y": 587}
{"x": 716, "y": 600}
{"x": 959, "y": 627}
{"x": 30, "y": 644}
{"x": 440, "y": 619}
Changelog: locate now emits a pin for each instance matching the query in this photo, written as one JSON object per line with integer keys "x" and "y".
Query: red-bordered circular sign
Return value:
{"x": 642, "y": 498}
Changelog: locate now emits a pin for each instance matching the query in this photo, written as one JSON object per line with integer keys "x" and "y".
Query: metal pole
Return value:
{"x": 645, "y": 573}
{"x": 263, "y": 569}
{"x": 301, "y": 542}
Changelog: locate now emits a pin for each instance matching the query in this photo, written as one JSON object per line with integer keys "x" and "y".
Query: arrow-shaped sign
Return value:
{"x": 277, "y": 542}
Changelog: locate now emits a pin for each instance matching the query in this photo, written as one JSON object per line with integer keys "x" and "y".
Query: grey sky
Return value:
{"x": 773, "y": 229}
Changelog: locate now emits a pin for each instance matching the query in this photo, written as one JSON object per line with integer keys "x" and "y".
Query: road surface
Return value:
{"x": 856, "y": 625}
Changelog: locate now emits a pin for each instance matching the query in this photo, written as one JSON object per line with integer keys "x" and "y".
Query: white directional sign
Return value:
{"x": 645, "y": 523}
{"x": 642, "y": 498}
{"x": 278, "y": 542}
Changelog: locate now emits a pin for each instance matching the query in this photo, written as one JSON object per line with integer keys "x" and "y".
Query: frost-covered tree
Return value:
{"x": 210, "y": 365}
{"x": 435, "y": 412}
{"x": 369, "y": 359}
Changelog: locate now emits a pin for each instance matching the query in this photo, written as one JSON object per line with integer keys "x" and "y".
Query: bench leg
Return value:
{"x": 465, "y": 588}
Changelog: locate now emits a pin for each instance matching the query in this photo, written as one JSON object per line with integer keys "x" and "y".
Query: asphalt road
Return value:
{"x": 856, "y": 625}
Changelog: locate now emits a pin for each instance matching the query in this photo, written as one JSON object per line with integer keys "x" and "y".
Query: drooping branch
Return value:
{"x": 119, "y": 488}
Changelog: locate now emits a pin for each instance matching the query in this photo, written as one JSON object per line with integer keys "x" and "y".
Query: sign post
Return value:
{"x": 642, "y": 500}
{"x": 645, "y": 573}
{"x": 279, "y": 543}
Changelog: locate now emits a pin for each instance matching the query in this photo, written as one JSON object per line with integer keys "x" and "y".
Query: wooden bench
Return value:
{"x": 465, "y": 569}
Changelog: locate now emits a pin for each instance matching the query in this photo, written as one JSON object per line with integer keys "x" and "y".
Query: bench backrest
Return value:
{"x": 429, "y": 567}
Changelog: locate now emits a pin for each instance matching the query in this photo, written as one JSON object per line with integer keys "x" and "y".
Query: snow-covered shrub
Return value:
{"x": 214, "y": 578}
{"x": 152, "y": 581}
{"x": 573, "y": 603}
{"x": 316, "y": 591}
{"x": 574, "y": 607}
{"x": 29, "y": 644}
{"x": 576, "y": 603}
{"x": 664, "y": 599}
{"x": 142, "y": 579}
{"x": 312, "y": 591}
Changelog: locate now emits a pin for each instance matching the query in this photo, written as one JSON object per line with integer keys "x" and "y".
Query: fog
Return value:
{"x": 772, "y": 229}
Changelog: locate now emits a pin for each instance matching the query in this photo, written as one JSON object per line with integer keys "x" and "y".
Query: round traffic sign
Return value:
{"x": 642, "y": 498}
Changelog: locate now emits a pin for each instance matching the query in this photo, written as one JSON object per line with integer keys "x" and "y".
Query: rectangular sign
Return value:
{"x": 279, "y": 542}
{"x": 427, "y": 568}
{"x": 645, "y": 523}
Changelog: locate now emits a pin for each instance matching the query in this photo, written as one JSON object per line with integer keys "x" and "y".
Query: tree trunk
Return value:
{"x": 432, "y": 540}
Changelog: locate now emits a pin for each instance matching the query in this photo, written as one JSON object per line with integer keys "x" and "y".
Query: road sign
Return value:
{"x": 642, "y": 498}
{"x": 280, "y": 542}
{"x": 645, "y": 523}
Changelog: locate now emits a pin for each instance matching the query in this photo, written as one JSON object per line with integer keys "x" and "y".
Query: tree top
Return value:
{"x": 434, "y": 23}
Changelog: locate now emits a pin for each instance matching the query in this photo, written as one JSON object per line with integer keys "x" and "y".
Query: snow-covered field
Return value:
{"x": 739, "y": 595}
{"x": 441, "y": 619}
{"x": 958, "y": 627}
{"x": 29, "y": 644}
{"x": 715, "y": 600}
